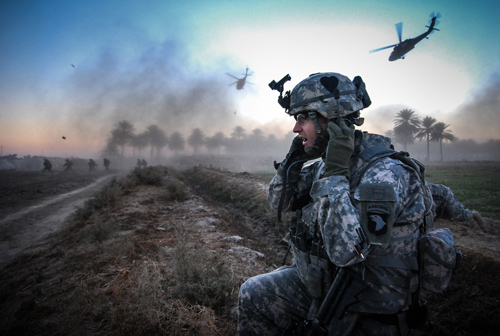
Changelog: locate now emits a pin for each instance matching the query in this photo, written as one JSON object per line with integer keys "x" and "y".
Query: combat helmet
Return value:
{"x": 330, "y": 94}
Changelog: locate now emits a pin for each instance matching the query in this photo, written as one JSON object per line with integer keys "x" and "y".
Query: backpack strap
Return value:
{"x": 368, "y": 157}
{"x": 420, "y": 169}
{"x": 371, "y": 155}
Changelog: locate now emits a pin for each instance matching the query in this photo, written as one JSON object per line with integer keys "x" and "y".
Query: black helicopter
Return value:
{"x": 403, "y": 47}
{"x": 240, "y": 82}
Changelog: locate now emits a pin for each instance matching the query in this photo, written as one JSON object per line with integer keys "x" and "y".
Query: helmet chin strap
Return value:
{"x": 321, "y": 141}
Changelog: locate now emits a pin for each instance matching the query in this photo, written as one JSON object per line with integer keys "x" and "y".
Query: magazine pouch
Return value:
{"x": 439, "y": 257}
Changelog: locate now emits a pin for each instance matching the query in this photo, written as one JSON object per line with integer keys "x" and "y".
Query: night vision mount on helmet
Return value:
{"x": 330, "y": 94}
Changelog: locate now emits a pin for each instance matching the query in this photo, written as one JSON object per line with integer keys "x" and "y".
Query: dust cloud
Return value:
{"x": 478, "y": 119}
{"x": 161, "y": 86}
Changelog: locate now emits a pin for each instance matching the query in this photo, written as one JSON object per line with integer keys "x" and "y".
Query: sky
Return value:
{"x": 77, "y": 68}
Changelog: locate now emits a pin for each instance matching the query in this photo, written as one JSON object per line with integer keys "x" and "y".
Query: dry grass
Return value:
{"x": 113, "y": 272}
{"x": 114, "y": 282}
{"x": 249, "y": 211}
{"x": 204, "y": 278}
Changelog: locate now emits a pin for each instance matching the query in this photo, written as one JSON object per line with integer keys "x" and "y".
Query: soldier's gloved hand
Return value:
{"x": 296, "y": 153}
{"x": 339, "y": 150}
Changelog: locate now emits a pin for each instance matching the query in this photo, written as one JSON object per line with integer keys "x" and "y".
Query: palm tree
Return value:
{"x": 123, "y": 134}
{"x": 426, "y": 131}
{"x": 238, "y": 133}
{"x": 216, "y": 141}
{"x": 110, "y": 150}
{"x": 257, "y": 133}
{"x": 157, "y": 139}
{"x": 140, "y": 141}
{"x": 390, "y": 134}
{"x": 196, "y": 140}
{"x": 406, "y": 124}
{"x": 439, "y": 133}
{"x": 176, "y": 142}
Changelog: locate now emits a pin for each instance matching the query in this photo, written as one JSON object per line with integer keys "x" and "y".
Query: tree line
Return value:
{"x": 408, "y": 127}
{"x": 154, "y": 139}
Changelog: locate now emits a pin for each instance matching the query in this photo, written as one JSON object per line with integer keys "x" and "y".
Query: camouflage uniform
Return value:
{"x": 69, "y": 166}
{"x": 47, "y": 166}
{"x": 269, "y": 303}
{"x": 92, "y": 165}
{"x": 447, "y": 206}
{"x": 106, "y": 163}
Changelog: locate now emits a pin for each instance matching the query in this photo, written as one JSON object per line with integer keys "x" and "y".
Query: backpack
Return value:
{"x": 437, "y": 253}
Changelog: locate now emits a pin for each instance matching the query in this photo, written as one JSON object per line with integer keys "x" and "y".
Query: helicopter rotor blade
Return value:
{"x": 435, "y": 15}
{"x": 375, "y": 50}
{"x": 231, "y": 75}
{"x": 399, "y": 29}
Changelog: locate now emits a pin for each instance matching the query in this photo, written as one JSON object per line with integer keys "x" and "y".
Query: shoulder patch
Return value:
{"x": 377, "y": 211}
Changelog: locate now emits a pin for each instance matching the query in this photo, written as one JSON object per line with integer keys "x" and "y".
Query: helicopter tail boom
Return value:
{"x": 433, "y": 28}
{"x": 403, "y": 47}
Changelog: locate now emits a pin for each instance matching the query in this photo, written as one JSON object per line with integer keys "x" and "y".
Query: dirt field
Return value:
{"x": 118, "y": 272}
{"x": 33, "y": 205}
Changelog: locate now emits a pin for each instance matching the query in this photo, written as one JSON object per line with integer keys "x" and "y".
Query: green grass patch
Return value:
{"x": 476, "y": 185}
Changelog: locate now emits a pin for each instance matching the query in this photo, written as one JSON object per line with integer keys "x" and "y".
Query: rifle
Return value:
{"x": 341, "y": 294}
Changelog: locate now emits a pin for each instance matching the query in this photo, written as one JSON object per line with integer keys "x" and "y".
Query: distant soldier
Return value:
{"x": 92, "y": 165}
{"x": 144, "y": 163}
{"x": 69, "y": 166}
{"x": 47, "y": 166}
{"x": 106, "y": 164}
{"x": 139, "y": 163}
{"x": 447, "y": 206}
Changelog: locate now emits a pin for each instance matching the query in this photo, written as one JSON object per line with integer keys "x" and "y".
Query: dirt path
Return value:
{"x": 29, "y": 227}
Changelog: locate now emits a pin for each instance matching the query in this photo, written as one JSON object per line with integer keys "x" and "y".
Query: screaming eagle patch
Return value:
{"x": 378, "y": 214}
{"x": 377, "y": 211}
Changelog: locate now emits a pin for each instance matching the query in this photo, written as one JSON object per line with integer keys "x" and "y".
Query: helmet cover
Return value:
{"x": 318, "y": 93}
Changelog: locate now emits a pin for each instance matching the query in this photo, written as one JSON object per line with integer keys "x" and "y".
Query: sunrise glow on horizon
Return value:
{"x": 76, "y": 69}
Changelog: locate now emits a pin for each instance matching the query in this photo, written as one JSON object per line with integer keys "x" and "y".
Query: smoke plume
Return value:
{"x": 161, "y": 86}
{"x": 479, "y": 117}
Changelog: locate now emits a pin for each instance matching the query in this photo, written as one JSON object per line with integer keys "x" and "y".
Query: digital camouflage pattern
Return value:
{"x": 447, "y": 206}
{"x": 312, "y": 95}
{"x": 269, "y": 301}
{"x": 439, "y": 259}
